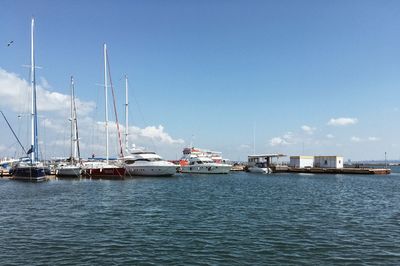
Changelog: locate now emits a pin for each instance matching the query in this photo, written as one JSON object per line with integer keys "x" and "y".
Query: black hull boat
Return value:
{"x": 29, "y": 173}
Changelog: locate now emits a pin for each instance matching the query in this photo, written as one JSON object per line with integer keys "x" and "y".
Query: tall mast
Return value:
{"x": 72, "y": 119}
{"x": 75, "y": 122}
{"x": 77, "y": 154}
{"x": 106, "y": 100}
{"x": 34, "y": 138}
{"x": 126, "y": 114}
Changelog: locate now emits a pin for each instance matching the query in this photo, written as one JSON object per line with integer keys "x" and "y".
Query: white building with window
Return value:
{"x": 301, "y": 161}
{"x": 328, "y": 161}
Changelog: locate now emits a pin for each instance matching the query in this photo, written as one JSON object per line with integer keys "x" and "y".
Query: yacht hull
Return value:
{"x": 29, "y": 173}
{"x": 151, "y": 170}
{"x": 69, "y": 172}
{"x": 105, "y": 173}
{"x": 196, "y": 169}
{"x": 259, "y": 170}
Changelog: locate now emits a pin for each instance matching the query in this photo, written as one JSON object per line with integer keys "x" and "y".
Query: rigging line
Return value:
{"x": 95, "y": 125}
{"x": 115, "y": 108}
{"x": 141, "y": 115}
{"x": 12, "y": 130}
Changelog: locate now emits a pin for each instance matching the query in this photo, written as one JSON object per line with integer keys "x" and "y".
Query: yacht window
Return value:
{"x": 199, "y": 162}
{"x": 130, "y": 162}
{"x": 142, "y": 159}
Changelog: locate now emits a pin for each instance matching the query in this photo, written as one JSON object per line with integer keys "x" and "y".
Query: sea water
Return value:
{"x": 239, "y": 218}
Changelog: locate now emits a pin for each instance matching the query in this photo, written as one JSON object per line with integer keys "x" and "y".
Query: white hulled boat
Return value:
{"x": 205, "y": 165}
{"x": 188, "y": 153}
{"x": 73, "y": 168}
{"x": 261, "y": 163}
{"x": 147, "y": 163}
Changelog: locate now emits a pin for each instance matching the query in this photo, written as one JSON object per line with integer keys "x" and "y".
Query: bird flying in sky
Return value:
{"x": 11, "y": 42}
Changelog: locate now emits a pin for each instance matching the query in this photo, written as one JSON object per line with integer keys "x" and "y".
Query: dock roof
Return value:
{"x": 266, "y": 155}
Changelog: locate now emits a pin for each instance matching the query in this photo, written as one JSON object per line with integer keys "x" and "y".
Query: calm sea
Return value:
{"x": 230, "y": 219}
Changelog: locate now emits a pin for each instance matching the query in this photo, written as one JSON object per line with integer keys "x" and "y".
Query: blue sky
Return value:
{"x": 216, "y": 71}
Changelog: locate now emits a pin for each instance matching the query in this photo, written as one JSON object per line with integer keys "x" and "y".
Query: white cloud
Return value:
{"x": 44, "y": 83}
{"x": 159, "y": 134}
{"x": 342, "y": 121}
{"x": 357, "y": 139}
{"x": 53, "y": 125}
{"x": 288, "y": 136}
{"x": 16, "y": 94}
{"x": 277, "y": 141}
{"x": 330, "y": 136}
{"x": 150, "y": 132}
{"x": 307, "y": 129}
{"x": 286, "y": 139}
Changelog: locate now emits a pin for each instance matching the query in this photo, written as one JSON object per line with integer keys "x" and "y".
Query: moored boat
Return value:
{"x": 31, "y": 169}
{"x": 204, "y": 165}
{"x": 147, "y": 163}
{"x": 69, "y": 171}
{"x": 105, "y": 170}
{"x": 27, "y": 171}
{"x": 73, "y": 168}
{"x": 261, "y": 163}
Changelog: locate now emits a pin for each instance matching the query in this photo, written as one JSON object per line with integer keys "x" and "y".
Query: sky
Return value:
{"x": 294, "y": 77}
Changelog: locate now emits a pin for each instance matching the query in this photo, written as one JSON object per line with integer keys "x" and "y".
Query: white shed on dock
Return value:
{"x": 301, "y": 161}
{"x": 328, "y": 161}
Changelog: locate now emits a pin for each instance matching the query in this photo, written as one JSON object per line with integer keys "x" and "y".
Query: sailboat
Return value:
{"x": 73, "y": 168}
{"x": 32, "y": 169}
{"x": 104, "y": 170}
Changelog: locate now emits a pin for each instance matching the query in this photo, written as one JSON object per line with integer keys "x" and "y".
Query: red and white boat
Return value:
{"x": 200, "y": 161}
{"x": 189, "y": 153}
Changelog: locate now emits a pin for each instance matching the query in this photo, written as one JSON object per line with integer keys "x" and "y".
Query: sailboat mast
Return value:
{"x": 126, "y": 114}
{"x": 106, "y": 100}
{"x": 72, "y": 120}
{"x": 34, "y": 140}
{"x": 74, "y": 123}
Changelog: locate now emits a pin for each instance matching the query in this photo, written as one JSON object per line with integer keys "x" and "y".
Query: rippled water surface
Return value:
{"x": 230, "y": 219}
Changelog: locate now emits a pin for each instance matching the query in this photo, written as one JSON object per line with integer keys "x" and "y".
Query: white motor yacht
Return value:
{"x": 147, "y": 163}
{"x": 204, "y": 165}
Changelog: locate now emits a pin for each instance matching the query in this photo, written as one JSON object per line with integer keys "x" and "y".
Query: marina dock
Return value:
{"x": 317, "y": 170}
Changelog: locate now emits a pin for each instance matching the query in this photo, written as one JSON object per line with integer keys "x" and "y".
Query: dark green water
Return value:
{"x": 196, "y": 220}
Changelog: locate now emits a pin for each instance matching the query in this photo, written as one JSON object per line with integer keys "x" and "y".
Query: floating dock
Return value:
{"x": 316, "y": 170}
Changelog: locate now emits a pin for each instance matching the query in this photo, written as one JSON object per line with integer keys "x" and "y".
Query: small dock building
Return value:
{"x": 301, "y": 161}
{"x": 328, "y": 162}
